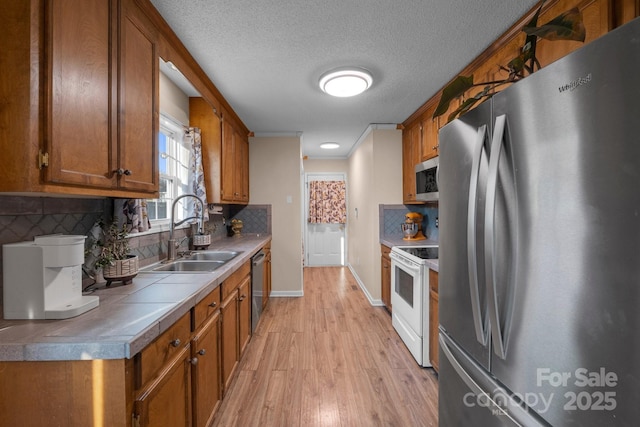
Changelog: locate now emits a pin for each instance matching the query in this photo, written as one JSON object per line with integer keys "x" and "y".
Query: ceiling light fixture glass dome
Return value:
{"x": 345, "y": 82}
{"x": 329, "y": 145}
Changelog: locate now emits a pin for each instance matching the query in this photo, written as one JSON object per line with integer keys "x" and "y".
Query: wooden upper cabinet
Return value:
{"x": 429, "y": 137}
{"x": 80, "y": 89}
{"x": 235, "y": 164}
{"x": 82, "y": 106}
{"x": 225, "y": 154}
{"x": 138, "y": 90}
{"x": 410, "y": 158}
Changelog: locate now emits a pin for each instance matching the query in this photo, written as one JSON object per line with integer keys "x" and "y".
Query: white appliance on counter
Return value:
{"x": 42, "y": 279}
{"x": 410, "y": 297}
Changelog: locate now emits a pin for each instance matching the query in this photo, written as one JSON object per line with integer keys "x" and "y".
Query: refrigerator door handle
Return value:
{"x": 499, "y": 340}
{"x": 480, "y": 393}
{"x": 479, "y": 323}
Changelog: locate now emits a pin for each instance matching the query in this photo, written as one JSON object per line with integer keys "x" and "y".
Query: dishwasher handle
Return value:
{"x": 258, "y": 258}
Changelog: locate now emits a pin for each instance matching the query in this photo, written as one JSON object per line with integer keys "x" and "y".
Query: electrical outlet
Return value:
{"x": 437, "y": 222}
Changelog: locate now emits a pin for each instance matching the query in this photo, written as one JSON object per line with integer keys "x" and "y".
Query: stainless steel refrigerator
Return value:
{"x": 540, "y": 247}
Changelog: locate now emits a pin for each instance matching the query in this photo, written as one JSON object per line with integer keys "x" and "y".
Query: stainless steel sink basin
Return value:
{"x": 185, "y": 266}
{"x": 212, "y": 255}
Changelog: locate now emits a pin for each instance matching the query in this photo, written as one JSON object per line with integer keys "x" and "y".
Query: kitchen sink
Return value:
{"x": 186, "y": 266}
{"x": 212, "y": 255}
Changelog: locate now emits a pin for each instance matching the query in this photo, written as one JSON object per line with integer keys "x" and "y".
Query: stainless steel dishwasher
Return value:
{"x": 257, "y": 274}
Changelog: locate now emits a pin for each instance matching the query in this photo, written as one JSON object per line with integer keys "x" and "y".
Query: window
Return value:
{"x": 173, "y": 162}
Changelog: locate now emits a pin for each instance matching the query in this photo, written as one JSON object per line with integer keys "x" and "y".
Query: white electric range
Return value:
{"x": 410, "y": 297}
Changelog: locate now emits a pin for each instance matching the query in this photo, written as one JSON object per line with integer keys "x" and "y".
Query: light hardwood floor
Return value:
{"x": 329, "y": 359}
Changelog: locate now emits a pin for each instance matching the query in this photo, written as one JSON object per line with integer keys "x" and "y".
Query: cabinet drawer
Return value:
{"x": 232, "y": 282}
{"x": 166, "y": 346}
{"x": 205, "y": 308}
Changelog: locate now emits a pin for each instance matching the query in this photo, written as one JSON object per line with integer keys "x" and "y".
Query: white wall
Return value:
{"x": 173, "y": 102}
{"x": 275, "y": 177}
{"x": 375, "y": 177}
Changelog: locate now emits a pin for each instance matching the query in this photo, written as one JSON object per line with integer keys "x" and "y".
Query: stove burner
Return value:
{"x": 423, "y": 253}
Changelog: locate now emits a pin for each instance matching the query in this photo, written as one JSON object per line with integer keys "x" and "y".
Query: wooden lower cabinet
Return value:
{"x": 166, "y": 401}
{"x": 176, "y": 380}
{"x": 244, "y": 315}
{"x": 433, "y": 319}
{"x": 229, "y": 311}
{"x": 386, "y": 277}
{"x": 205, "y": 371}
{"x": 266, "y": 279}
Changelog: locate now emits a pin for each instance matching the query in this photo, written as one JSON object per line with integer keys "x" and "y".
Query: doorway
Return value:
{"x": 325, "y": 232}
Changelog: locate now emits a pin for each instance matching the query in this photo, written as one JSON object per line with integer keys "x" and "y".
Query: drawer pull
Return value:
{"x": 202, "y": 352}
{"x": 242, "y": 297}
{"x": 175, "y": 342}
{"x": 213, "y": 304}
{"x": 194, "y": 361}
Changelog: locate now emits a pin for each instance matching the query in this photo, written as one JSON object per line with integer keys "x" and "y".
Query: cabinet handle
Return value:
{"x": 213, "y": 304}
{"x": 123, "y": 172}
{"x": 175, "y": 342}
{"x": 194, "y": 361}
{"x": 242, "y": 297}
{"x": 202, "y": 352}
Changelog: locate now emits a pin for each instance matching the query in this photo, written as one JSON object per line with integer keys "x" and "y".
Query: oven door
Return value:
{"x": 406, "y": 292}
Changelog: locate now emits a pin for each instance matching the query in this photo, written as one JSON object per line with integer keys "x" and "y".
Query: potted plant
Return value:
{"x": 112, "y": 254}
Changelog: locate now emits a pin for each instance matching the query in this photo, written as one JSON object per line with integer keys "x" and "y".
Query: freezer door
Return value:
{"x": 464, "y": 149}
{"x": 565, "y": 312}
{"x": 471, "y": 397}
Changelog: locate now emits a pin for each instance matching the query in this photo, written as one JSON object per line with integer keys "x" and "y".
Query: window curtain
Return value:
{"x": 133, "y": 213}
{"x": 196, "y": 174}
{"x": 327, "y": 202}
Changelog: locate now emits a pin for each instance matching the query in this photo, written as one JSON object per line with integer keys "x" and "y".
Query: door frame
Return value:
{"x": 326, "y": 176}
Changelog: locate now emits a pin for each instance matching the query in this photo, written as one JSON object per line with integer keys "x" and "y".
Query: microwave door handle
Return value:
{"x": 472, "y": 251}
{"x": 489, "y": 237}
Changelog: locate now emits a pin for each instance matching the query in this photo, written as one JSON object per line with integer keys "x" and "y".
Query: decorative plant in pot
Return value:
{"x": 566, "y": 26}
{"x": 112, "y": 254}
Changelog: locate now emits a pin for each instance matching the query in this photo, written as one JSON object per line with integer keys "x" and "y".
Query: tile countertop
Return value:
{"x": 391, "y": 241}
{"x": 128, "y": 317}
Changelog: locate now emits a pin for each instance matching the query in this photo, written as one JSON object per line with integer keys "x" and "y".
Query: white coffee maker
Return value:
{"x": 42, "y": 279}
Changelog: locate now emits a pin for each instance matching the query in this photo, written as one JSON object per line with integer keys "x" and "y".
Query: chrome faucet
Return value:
{"x": 172, "y": 246}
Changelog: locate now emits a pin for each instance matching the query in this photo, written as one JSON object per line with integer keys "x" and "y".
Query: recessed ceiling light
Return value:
{"x": 329, "y": 145}
{"x": 346, "y": 82}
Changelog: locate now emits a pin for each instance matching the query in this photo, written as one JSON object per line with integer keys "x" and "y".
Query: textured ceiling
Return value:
{"x": 266, "y": 56}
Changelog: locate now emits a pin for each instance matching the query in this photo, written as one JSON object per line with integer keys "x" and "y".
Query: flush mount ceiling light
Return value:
{"x": 345, "y": 82}
{"x": 329, "y": 145}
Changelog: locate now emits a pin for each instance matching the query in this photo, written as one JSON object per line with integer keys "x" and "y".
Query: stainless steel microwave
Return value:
{"x": 427, "y": 180}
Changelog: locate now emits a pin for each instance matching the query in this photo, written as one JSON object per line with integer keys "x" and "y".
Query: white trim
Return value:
{"x": 368, "y": 130}
{"x": 342, "y": 176}
{"x": 277, "y": 134}
{"x": 373, "y": 302}
{"x": 286, "y": 294}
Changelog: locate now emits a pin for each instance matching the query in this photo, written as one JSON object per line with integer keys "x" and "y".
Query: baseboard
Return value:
{"x": 286, "y": 294}
{"x": 373, "y": 302}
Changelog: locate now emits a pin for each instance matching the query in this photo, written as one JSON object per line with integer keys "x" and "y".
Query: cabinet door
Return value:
{"x": 227, "y": 188}
{"x": 386, "y": 282}
{"x": 138, "y": 102}
{"x": 266, "y": 278}
{"x": 410, "y": 157}
{"x": 429, "y": 140}
{"x": 79, "y": 121}
{"x": 244, "y": 315}
{"x": 241, "y": 178}
{"x": 433, "y": 318}
{"x": 166, "y": 401}
{"x": 206, "y": 376}
{"x": 204, "y": 116}
{"x": 229, "y": 312}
